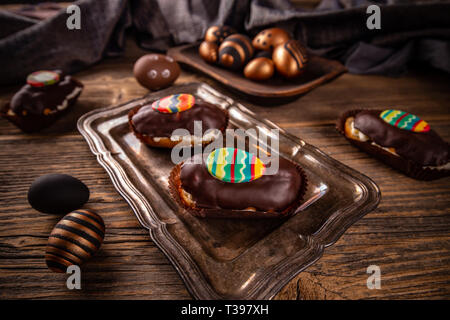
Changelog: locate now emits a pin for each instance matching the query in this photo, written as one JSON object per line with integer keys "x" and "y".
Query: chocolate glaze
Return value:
{"x": 267, "y": 193}
{"x": 155, "y": 124}
{"x": 35, "y": 99}
{"x": 424, "y": 148}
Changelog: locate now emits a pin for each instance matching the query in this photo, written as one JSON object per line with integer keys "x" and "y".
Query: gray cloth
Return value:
{"x": 410, "y": 33}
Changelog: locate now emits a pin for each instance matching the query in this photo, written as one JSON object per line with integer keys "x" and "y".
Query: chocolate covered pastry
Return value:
{"x": 46, "y": 96}
{"x": 232, "y": 183}
{"x": 401, "y": 140}
{"x": 155, "y": 122}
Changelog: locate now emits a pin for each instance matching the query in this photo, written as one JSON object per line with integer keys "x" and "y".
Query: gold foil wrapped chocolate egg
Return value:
{"x": 259, "y": 69}
{"x": 235, "y": 51}
{"x": 208, "y": 51}
{"x": 290, "y": 59}
{"x": 218, "y": 33}
{"x": 268, "y": 39}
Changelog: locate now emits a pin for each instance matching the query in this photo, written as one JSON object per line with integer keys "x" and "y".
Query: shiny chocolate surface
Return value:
{"x": 155, "y": 124}
{"x": 268, "y": 193}
{"x": 424, "y": 148}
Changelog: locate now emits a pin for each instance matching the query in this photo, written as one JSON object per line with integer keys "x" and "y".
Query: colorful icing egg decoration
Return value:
{"x": 156, "y": 71}
{"x": 290, "y": 59}
{"x": 259, "y": 69}
{"x": 404, "y": 120}
{"x": 174, "y": 103}
{"x": 208, "y": 51}
{"x": 235, "y": 51}
{"x": 218, "y": 33}
{"x": 268, "y": 39}
{"x": 74, "y": 239}
{"x": 234, "y": 165}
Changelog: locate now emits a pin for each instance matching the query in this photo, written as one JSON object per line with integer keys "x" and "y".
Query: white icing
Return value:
{"x": 64, "y": 104}
{"x": 442, "y": 167}
{"x": 152, "y": 74}
{"x": 188, "y": 140}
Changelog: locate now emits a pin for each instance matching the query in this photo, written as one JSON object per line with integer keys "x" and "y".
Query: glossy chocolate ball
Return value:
{"x": 74, "y": 239}
{"x": 259, "y": 69}
{"x": 208, "y": 51}
{"x": 156, "y": 71}
{"x": 268, "y": 39}
{"x": 218, "y": 33}
{"x": 290, "y": 59}
{"x": 235, "y": 51}
{"x": 57, "y": 194}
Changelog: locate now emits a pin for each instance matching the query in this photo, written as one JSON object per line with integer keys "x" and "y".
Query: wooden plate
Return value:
{"x": 318, "y": 71}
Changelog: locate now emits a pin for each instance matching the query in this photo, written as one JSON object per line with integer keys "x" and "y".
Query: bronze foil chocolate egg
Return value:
{"x": 74, "y": 239}
{"x": 290, "y": 59}
{"x": 259, "y": 69}
{"x": 235, "y": 51}
{"x": 268, "y": 39}
{"x": 218, "y": 33}
{"x": 156, "y": 71}
{"x": 208, "y": 51}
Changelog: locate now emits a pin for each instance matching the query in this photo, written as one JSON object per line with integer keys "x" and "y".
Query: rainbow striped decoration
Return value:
{"x": 404, "y": 120}
{"x": 174, "y": 103}
{"x": 234, "y": 165}
{"x": 42, "y": 78}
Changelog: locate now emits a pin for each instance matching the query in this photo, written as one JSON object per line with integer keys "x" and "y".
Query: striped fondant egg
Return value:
{"x": 174, "y": 103}
{"x": 235, "y": 51}
{"x": 74, "y": 239}
{"x": 234, "y": 165}
{"x": 404, "y": 120}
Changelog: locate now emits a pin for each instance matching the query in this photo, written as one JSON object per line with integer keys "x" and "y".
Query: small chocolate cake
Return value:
{"x": 154, "y": 123}
{"x": 237, "y": 188}
{"x": 400, "y": 139}
{"x": 46, "y": 96}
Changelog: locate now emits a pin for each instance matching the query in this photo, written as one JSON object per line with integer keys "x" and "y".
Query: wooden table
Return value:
{"x": 407, "y": 236}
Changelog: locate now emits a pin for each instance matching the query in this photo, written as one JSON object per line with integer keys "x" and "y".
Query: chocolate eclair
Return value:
{"x": 400, "y": 139}
{"x": 232, "y": 183}
{"x": 154, "y": 123}
{"x": 46, "y": 96}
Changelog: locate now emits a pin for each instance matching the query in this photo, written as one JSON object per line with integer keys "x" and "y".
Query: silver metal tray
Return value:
{"x": 229, "y": 258}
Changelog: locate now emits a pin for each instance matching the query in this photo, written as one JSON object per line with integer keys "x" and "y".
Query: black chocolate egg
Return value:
{"x": 57, "y": 193}
{"x": 74, "y": 239}
{"x": 235, "y": 51}
{"x": 208, "y": 51}
{"x": 156, "y": 71}
{"x": 218, "y": 33}
{"x": 290, "y": 59}
{"x": 268, "y": 39}
{"x": 259, "y": 69}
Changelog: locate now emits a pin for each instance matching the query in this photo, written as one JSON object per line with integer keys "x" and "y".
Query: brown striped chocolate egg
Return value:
{"x": 268, "y": 39}
{"x": 290, "y": 59}
{"x": 74, "y": 239}
{"x": 235, "y": 51}
{"x": 218, "y": 33}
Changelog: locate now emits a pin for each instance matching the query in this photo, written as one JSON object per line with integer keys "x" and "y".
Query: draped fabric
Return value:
{"x": 410, "y": 34}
